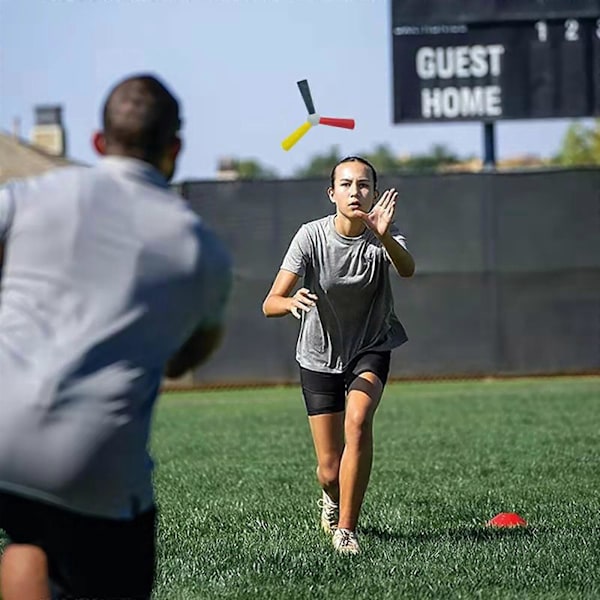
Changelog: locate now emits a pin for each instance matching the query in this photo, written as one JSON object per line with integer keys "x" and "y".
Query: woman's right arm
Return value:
{"x": 279, "y": 303}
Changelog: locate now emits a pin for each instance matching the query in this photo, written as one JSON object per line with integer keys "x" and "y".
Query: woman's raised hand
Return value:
{"x": 380, "y": 217}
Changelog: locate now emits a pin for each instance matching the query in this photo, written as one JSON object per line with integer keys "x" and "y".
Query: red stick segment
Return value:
{"x": 345, "y": 123}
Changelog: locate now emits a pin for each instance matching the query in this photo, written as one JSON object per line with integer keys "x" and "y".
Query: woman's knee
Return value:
{"x": 358, "y": 426}
{"x": 328, "y": 471}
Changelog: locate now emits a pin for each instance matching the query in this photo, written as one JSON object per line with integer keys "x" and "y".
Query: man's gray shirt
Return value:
{"x": 355, "y": 310}
{"x": 106, "y": 274}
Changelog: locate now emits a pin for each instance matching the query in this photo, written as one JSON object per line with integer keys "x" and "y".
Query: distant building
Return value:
{"x": 49, "y": 133}
{"x": 45, "y": 151}
{"x": 227, "y": 169}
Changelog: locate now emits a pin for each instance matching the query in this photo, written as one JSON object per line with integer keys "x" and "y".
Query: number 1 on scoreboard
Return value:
{"x": 542, "y": 31}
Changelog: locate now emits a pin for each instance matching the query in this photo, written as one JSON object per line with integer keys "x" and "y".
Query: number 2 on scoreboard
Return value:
{"x": 572, "y": 30}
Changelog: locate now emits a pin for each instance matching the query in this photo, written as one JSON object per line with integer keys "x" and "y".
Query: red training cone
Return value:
{"x": 507, "y": 520}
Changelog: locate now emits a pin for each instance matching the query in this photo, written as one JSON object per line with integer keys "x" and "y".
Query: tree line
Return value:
{"x": 580, "y": 146}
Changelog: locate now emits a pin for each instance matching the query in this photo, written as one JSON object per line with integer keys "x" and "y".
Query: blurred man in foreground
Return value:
{"x": 109, "y": 281}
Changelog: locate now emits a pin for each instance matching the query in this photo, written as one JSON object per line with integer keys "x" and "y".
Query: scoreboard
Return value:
{"x": 461, "y": 60}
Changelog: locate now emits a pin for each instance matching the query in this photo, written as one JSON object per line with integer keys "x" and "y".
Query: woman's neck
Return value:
{"x": 348, "y": 227}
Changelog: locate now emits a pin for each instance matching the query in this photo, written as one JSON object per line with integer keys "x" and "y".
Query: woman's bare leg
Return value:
{"x": 328, "y": 438}
{"x": 355, "y": 467}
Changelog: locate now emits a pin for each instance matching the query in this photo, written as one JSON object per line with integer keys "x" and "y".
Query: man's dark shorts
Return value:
{"x": 88, "y": 557}
{"x": 325, "y": 393}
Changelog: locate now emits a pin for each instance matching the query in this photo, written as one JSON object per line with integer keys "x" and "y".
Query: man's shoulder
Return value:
{"x": 58, "y": 174}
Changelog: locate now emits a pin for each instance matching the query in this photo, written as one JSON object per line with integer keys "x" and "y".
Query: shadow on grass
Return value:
{"x": 477, "y": 533}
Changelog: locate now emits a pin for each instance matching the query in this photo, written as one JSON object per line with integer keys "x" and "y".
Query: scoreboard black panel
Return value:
{"x": 463, "y": 67}
{"x": 434, "y": 12}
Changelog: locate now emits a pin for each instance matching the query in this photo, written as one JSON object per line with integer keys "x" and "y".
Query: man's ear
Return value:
{"x": 330, "y": 194}
{"x": 175, "y": 148}
{"x": 99, "y": 143}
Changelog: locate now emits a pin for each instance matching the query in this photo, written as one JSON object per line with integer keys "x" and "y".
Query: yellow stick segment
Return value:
{"x": 291, "y": 139}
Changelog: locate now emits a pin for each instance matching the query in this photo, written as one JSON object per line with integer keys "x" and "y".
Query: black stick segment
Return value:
{"x": 305, "y": 91}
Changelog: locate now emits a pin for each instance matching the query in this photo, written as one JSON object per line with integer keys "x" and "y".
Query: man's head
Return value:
{"x": 141, "y": 120}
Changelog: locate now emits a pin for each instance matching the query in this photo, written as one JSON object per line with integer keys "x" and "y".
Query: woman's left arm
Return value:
{"x": 399, "y": 256}
{"x": 379, "y": 220}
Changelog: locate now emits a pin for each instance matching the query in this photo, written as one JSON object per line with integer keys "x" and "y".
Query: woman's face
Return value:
{"x": 353, "y": 189}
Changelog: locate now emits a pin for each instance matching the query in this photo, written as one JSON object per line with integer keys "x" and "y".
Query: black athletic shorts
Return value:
{"x": 325, "y": 393}
{"x": 89, "y": 558}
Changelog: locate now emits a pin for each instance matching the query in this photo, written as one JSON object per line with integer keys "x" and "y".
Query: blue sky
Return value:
{"x": 234, "y": 65}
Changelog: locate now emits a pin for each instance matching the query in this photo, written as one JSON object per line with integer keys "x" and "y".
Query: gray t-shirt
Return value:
{"x": 355, "y": 310}
{"x": 106, "y": 274}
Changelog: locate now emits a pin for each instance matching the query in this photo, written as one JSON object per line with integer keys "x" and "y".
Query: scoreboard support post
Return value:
{"x": 489, "y": 145}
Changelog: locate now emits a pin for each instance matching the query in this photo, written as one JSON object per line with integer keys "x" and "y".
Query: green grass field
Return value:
{"x": 239, "y": 518}
{"x": 238, "y": 495}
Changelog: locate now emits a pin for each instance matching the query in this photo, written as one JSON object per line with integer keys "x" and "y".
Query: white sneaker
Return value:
{"x": 329, "y": 514}
{"x": 345, "y": 542}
